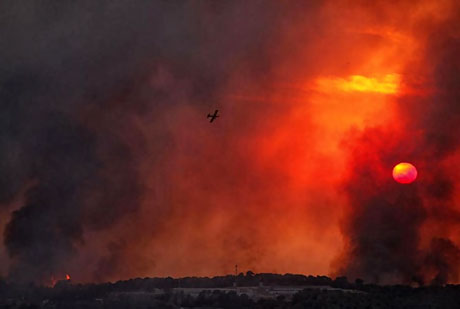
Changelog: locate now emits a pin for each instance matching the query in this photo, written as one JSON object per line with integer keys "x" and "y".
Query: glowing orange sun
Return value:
{"x": 404, "y": 173}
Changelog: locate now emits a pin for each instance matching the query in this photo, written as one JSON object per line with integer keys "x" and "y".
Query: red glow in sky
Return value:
{"x": 317, "y": 103}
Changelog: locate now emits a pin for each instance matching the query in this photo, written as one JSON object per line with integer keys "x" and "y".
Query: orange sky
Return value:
{"x": 263, "y": 186}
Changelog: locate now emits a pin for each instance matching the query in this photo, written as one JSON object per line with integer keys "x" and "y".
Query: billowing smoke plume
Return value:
{"x": 109, "y": 168}
{"x": 62, "y": 150}
{"x": 406, "y": 233}
{"x": 92, "y": 95}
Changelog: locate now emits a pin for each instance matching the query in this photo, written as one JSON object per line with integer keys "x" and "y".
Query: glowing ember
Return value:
{"x": 67, "y": 277}
{"x": 404, "y": 173}
{"x": 52, "y": 281}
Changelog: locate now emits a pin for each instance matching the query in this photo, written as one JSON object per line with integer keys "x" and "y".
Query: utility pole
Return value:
{"x": 236, "y": 275}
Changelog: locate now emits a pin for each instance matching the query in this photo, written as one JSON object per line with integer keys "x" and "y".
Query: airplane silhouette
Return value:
{"x": 214, "y": 116}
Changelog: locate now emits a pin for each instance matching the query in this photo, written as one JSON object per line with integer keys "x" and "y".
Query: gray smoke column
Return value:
{"x": 74, "y": 176}
{"x": 403, "y": 233}
{"x": 75, "y": 82}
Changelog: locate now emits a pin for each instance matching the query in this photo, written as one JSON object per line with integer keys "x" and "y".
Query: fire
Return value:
{"x": 387, "y": 84}
{"x": 53, "y": 281}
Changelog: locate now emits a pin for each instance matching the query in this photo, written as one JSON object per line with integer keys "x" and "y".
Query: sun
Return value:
{"x": 404, "y": 173}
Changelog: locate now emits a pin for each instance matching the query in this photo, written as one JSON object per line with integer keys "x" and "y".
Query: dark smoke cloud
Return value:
{"x": 102, "y": 140}
{"x": 443, "y": 258}
{"x": 386, "y": 220}
{"x": 64, "y": 164}
{"x": 75, "y": 79}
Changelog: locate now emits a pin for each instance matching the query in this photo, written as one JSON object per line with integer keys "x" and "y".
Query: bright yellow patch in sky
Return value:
{"x": 388, "y": 84}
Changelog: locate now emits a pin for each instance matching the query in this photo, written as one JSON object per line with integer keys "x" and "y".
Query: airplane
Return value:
{"x": 214, "y": 116}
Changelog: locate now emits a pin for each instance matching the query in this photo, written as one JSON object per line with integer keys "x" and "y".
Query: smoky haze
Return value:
{"x": 110, "y": 170}
{"x": 77, "y": 82}
{"x": 407, "y": 233}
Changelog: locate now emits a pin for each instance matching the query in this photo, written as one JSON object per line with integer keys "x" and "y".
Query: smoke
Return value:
{"x": 110, "y": 170}
{"x": 406, "y": 233}
{"x": 67, "y": 82}
{"x": 442, "y": 259}
{"x": 101, "y": 151}
{"x": 67, "y": 169}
